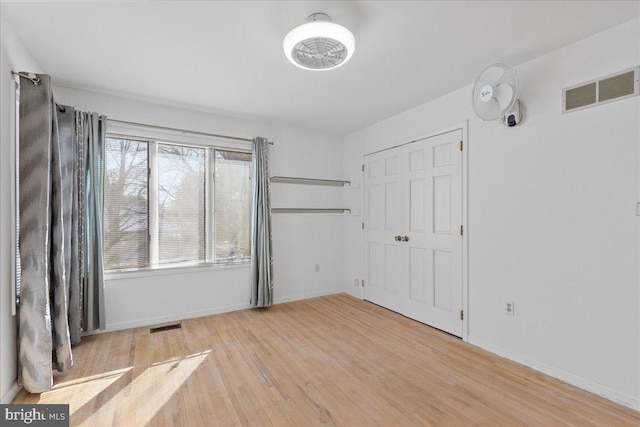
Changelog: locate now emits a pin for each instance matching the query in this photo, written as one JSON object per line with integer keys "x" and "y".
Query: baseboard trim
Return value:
{"x": 567, "y": 377}
{"x": 308, "y": 295}
{"x": 165, "y": 319}
{"x": 353, "y": 291}
{"x": 202, "y": 313}
{"x": 8, "y": 397}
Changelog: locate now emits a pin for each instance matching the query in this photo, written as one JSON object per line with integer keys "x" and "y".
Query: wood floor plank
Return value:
{"x": 325, "y": 361}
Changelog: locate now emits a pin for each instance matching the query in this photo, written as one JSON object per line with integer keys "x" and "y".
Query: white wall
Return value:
{"x": 300, "y": 241}
{"x": 13, "y": 56}
{"x": 551, "y": 218}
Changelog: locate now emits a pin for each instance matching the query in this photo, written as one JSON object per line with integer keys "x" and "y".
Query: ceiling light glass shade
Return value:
{"x": 319, "y": 45}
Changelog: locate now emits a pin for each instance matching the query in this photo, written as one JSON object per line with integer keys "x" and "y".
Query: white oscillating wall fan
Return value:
{"x": 495, "y": 95}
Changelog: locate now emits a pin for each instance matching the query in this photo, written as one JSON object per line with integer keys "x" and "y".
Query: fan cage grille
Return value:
{"x": 494, "y": 75}
{"x": 319, "y": 53}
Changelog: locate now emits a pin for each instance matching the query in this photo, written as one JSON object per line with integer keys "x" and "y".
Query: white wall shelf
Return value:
{"x": 308, "y": 181}
{"x": 309, "y": 210}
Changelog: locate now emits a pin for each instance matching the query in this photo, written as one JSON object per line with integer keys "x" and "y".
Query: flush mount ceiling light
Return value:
{"x": 319, "y": 44}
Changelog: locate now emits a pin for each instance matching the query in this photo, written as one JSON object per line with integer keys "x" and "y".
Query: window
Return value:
{"x": 169, "y": 204}
{"x": 232, "y": 202}
{"x": 126, "y": 204}
{"x": 181, "y": 204}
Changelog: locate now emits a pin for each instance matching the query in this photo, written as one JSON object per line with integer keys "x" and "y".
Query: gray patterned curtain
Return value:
{"x": 261, "y": 257}
{"x": 53, "y": 185}
{"x": 42, "y": 311}
{"x": 90, "y": 137}
{"x": 66, "y": 130}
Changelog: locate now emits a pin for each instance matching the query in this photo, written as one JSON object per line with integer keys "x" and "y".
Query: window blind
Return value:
{"x": 181, "y": 204}
{"x": 232, "y": 205}
{"x": 126, "y": 204}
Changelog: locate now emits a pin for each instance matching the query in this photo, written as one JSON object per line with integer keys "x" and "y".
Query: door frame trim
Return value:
{"x": 464, "y": 127}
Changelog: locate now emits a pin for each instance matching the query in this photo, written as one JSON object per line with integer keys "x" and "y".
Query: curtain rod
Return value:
{"x": 36, "y": 81}
{"x": 193, "y": 132}
{"x": 30, "y": 76}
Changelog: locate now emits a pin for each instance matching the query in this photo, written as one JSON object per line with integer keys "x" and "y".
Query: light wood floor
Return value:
{"x": 325, "y": 361}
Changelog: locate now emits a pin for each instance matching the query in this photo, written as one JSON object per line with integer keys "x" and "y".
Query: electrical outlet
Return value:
{"x": 509, "y": 308}
{"x": 317, "y": 268}
{"x": 356, "y": 283}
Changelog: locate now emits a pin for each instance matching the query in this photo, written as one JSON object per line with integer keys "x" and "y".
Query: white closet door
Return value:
{"x": 433, "y": 196}
{"x": 383, "y": 259}
{"x": 415, "y": 192}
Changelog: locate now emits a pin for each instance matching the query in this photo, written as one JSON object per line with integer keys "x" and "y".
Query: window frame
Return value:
{"x": 154, "y": 137}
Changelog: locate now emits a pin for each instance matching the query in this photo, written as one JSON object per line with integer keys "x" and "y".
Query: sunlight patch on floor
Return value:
{"x": 79, "y": 392}
{"x": 147, "y": 393}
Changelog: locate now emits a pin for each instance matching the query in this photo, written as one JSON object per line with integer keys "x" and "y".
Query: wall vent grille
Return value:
{"x": 613, "y": 87}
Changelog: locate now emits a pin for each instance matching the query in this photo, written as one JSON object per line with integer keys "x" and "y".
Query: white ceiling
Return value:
{"x": 226, "y": 56}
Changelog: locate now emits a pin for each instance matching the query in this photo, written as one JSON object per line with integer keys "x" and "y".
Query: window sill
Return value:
{"x": 163, "y": 271}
